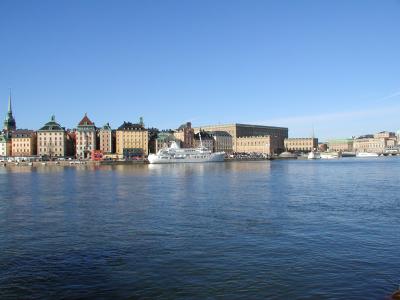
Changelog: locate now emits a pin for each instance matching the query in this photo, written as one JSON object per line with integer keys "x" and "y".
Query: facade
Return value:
{"x": 23, "y": 143}
{"x": 70, "y": 143}
{"x": 222, "y": 141}
{"x": 131, "y": 140}
{"x": 343, "y": 145}
{"x": 385, "y": 135}
{"x": 9, "y": 124}
{"x": 85, "y": 138}
{"x": 51, "y": 139}
{"x": 206, "y": 140}
{"x": 106, "y": 139}
{"x": 237, "y": 131}
{"x": 301, "y": 144}
{"x": 372, "y": 145}
{"x": 5, "y": 145}
{"x": 185, "y": 134}
{"x": 258, "y": 144}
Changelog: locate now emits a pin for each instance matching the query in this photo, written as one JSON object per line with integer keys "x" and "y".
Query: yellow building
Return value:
{"x": 51, "y": 139}
{"x": 257, "y": 144}
{"x": 23, "y": 143}
{"x": 301, "y": 144}
{"x": 237, "y": 131}
{"x": 132, "y": 140}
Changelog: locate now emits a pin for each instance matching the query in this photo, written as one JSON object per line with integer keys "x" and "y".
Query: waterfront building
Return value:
{"x": 85, "y": 138}
{"x": 131, "y": 140}
{"x": 237, "y": 131}
{"x": 371, "y": 145}
{"x": 266, "y": 144}
{"x": 9, "y": 124}
{"x": 343, "y": 145}
{"x": 222, "y": 141}
{"x": 5, "y": 145}
{"x": 23, "y": 143}
{"x": 51, "y": 139}
{"x": 385, "y": 135}
{"x": 301, "y": 144}
{"x": 206, "y": 140}
{"x": 185, "y": 134}
{"x": 106, "y": 139}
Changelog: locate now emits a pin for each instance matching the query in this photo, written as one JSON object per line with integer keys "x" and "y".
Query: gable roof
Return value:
{"x": 85, "y": 121}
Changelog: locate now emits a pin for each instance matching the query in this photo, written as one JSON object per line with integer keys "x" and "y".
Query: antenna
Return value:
{"x": 201, "y": 142}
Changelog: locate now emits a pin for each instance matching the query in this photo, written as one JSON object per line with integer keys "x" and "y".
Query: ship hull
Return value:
{"x": 213, "y": 157}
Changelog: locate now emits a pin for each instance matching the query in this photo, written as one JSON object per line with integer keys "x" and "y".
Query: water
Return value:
{"x": 272, "y": 230}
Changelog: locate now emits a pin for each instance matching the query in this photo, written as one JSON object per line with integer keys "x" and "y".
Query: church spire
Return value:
{"x": 9, "y": 103}
{"x": 9, "y": 122}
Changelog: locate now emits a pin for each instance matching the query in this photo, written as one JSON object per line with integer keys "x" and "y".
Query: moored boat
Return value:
{"x": 330, "y": 155}
{"x": 175, "y": 154}
{"x": 366, "y": 154}
{"x": 314, "y": 155}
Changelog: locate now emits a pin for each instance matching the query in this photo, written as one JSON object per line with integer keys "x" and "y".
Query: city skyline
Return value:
{"x": 331, "y": 66}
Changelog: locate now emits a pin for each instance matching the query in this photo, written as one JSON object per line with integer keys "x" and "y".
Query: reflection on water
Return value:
{"x": 276, "y": 230}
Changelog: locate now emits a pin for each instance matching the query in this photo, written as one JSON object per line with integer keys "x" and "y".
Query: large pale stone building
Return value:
{"x": 132, "y": 140}
{"x": 85, "y": 138}
{"x": 23, "y": 143}
{"x": 51, "y": 139}
{"x": 376, "y": 143}
{"x": 301, "y": 144}
{"x": 237, "y": 131}
{"x": 222, "y": 141}
{"x": 5, "y": 145}
{"x": 185, "y": 134}
{"x": 372, "y": 145}
{"x": 106, "y": 139}
{"x": 257, "y": 144}
{"x": 343, "y": 145}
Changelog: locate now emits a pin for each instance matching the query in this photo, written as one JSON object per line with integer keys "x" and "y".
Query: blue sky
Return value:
{"x": 331, "y": 65}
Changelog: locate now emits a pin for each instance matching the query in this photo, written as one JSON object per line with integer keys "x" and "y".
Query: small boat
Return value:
{"x": 366, "y": 154}
{"x": 330, "y": 155}
{"x": 287, "y": 155}
{"x": 30, "y": 164}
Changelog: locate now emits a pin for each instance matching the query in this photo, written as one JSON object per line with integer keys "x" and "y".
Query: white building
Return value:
{"x": 85, "y": 138}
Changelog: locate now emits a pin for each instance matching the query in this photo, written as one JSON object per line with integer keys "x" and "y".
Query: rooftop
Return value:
{"x": 52, "y": 125}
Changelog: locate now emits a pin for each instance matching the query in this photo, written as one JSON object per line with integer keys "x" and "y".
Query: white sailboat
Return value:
{"x": 314, "y": 153}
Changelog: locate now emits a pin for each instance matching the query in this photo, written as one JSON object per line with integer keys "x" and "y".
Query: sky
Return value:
{"x": 329, "y": 65}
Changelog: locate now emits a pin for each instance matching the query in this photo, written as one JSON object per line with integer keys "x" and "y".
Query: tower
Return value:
{"x": 9, "y": 121}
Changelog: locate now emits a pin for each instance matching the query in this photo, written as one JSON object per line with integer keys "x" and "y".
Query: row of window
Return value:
{"x": 53, "y": 149}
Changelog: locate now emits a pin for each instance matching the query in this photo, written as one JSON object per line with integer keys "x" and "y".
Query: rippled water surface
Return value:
{"x": 272, "y": 230}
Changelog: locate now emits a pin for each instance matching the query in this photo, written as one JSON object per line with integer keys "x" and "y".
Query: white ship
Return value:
{"x": 314, "y": 155}
{"x": 330, "y": 155}
{"x": 175, "y": 154}
{"x": 366, "y": 154}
